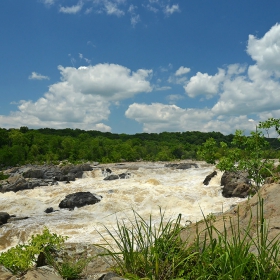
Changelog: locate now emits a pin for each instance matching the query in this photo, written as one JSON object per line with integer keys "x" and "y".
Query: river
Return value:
{"x": 151, "y": 186}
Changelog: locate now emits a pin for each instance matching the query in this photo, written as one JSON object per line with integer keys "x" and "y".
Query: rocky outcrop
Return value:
{"x": 185, "y": 165}
{"x": 79, "y": 199}
{"x": 31, "y": 176}
{"x": 209, "y": 177}
{"x": 235, "y": 184}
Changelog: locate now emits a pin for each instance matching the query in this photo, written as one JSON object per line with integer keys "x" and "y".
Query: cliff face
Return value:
{"x": 247, "y": 214}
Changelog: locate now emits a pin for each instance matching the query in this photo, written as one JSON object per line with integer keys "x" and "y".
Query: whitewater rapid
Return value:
{"x": 150, "y": 186}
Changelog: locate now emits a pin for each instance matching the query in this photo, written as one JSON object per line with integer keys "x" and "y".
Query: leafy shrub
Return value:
{"x": 3, "y": 176}
{"x": 69, "y": 268}
{"x": 23, "y": 257}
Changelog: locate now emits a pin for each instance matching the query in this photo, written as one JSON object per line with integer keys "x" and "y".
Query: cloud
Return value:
{"x": 37, "y": 76}
{"x": 81, "y": 99}
{"x": 112, "y": 8}
{"x": 81, "y": 56}
{"x": 160, "y": 117}
{"x": 251, "y": 94}
{"x": 111, "y": 81}
{"x": 48, "y": 2}
{"x": 162, "y": 88}
{"x": 241, "y": 92}
{"x": 173, "y": 98}
{"x": 73, "y": 9}
{"x": 169, "y": 10}
{"x": 266, "y": 50}
{"x": 116, "y": 7}
{"x": 204, "y": 84}
{"x": 134, "y": 18}
{"x": 182, "y": 71}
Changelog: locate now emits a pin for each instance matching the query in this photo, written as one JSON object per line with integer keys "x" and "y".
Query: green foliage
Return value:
{"x": 69, "y": 268}
{"x": 3, "y": 176}
{"x": 23, "y": 257}
{"x": 18, "y": 259}
{"x": 20, "y": 146}
{"x": 250, "y": 154}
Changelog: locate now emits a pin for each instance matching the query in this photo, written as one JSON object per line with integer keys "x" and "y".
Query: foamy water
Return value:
{"x": 149, "y": 187}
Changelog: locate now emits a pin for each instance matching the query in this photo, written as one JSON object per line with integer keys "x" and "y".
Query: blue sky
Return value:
{"x": 128, "y": 66}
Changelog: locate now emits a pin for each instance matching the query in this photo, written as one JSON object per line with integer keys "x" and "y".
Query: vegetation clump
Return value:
{"x": 252, "y": 154}
{"x": 146, "y": 250}
{"x": 40, "y": 250}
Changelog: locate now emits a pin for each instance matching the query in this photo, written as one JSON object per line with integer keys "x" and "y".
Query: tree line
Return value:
{"x": 47, "y": 145}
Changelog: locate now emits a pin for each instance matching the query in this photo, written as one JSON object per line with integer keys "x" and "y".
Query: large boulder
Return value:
{"x": 75, "y": 171}
{"x": 235, "y": 184}
{"x": 4, "y": 217}
{"x": 79, "y": 199}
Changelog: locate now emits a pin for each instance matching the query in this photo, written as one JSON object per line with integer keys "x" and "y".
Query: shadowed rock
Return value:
{"x": 79, "y": 199}
{"x": 209, "y": 177}
{"x": 185, "y": 165}
{"x": 235, "y": 184}
{"x": 4, "y": 216}
{"x": 31, "y": 176}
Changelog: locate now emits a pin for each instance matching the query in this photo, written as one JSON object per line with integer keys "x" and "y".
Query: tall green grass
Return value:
{"x": 144, "y": 250}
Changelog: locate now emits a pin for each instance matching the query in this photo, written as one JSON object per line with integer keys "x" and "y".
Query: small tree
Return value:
{"x": 246, "y": 154}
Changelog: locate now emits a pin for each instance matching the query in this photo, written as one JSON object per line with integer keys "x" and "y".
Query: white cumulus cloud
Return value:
{"x": 204, "y": 84}
{"x": 81, "y": 99}
{"x": 266, "y": 50}
{"x": 111, "y": 81}
{"x": 182, "y": 71}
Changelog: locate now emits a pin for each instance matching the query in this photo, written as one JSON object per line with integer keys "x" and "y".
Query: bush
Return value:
{"x": 3, "y": 176}
{"x": 23, "y": 257}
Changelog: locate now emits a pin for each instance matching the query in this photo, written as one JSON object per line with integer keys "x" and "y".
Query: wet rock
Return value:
{"x": 112, "y": 177}
{"x": 14, "y": 218}
{"x": 49, "y": 210}
{"x": 18, "y": 185}
{"x": 209, "y": 177}
{"x": 186, "y": 165}
{"x": 32, "y": 176}
{"x": 79, "y": 199}
{"x": 4, "y": 217}
{"x": 125, "y": 175}
{"x": 235, "y": 184}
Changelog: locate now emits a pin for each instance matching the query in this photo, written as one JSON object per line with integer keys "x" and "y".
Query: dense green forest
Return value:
{"x": 24, "y": 145}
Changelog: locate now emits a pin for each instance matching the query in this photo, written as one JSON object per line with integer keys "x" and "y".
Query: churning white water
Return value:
{"x": 150, "y": 186}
